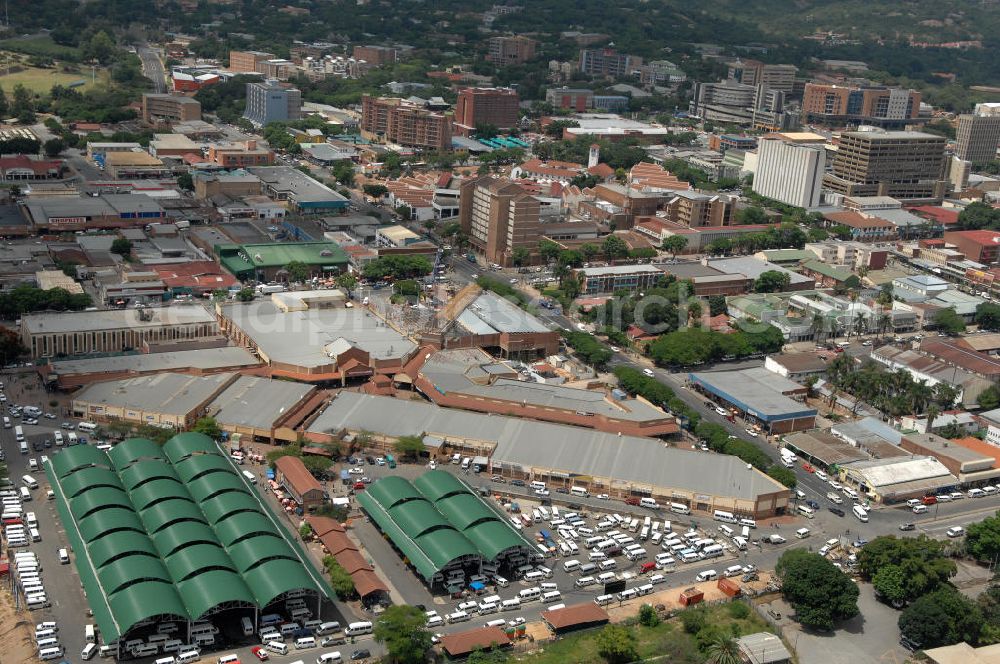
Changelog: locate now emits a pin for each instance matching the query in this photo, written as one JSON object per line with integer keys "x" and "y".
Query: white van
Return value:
{"x": 649, "y": 502}
{"x": 358, "y": 628}
{"x": 579, "y": 491}
{"x": 604, "y": 600}
{"x": 89, "y": 427}
{"x": 733, "y": 570}
{"x": 920, "y": 509}
{"x": 277, "y": 647}
{"x": 707, "y": 575}
{"x": 328, "y": 628}
{"x": 806, "y": 511}
{"x": 726, "y": 530}
{"x": 727, "y": 517}
{"x": 305, "y": 642}
{"x": 6, "y": 422}
{"x": 530, "y": 594}
{"x": 802, "y": 533}
{"x": 860, "y": 513}
{"x": 329, "y": 658}
{"x": 510, "y": 604}
{"x": 59, "y": 438}
{"x": 89, "y": 651}
{"x": 50, "y": 653}
{"x": 571, "y": 565}
{"x": 29, "y": 481}
{"x": 194, "y": 655}
{"x": 537, "y": 486}
{"x": 249, "y": 477}
{"x": 228, "y": 659}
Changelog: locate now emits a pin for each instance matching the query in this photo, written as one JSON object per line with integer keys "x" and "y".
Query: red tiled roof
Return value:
{"x": 857, "y": 220}
{"x": 296, "y": 474}
{"x": 204, "y": 275}
{"x": 322, "y": 525}
{"x": 979, "y": 447}
{"x": 367, "y": 582}
{"x": 952, "y": 353}
{"x": 982, "y": 238}
{"x": 462, "y": 643}
{"x": 602, "y": 170}
{"x": 352, "y": 561}
{"x": 942, "y": 215}
{"x": 37, "y": 166}
{"x": 577, "y": 615}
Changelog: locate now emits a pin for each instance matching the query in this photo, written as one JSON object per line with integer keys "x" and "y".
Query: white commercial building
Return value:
{"x": 790, "y": 168}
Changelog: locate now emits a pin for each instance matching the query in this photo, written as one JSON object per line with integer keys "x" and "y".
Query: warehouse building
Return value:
{"x": 316, "y": 344}
{"x": 471, "y": 379}
{"x": 475, "y": 317}
{"x": 73, "y": 373}
{"x": 72, "y": 213}
{"x": 255, "y": 407}
{"x": 167, "y": 399}
{"x": 113, "y": 330}
{"x": 897, "y": 479}
{"x": 439, "y": 525}
{"x": 621, "y": 466}
{"x": 264, "y": 262}
{"x": 762, "y": 397}
{"x": 174, "y": 533}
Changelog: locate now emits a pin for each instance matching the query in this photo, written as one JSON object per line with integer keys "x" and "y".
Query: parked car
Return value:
{"x": 955, "y": 531}
{"x": 907, "y": 526}
{"x": 260, "y": 653}
{"x": 836, "y": 510}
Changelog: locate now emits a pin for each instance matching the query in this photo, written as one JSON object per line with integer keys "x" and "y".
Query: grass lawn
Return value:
{"x": 40, "y": 45}
{"x": 667, "y": 638}
{"x": 42, "y": 80}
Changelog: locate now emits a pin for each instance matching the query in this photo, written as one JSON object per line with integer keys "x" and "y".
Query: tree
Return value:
{"x": 375, "y": 190}
{"x": 890, "y": 584}
{"x": 648, "y": 617}
{"x": 982, "y": 539}
{"x": 549, "y": 250}
{"x": 402, "y": 630}
{"x": 297, "y": 271}
{"x": 949, "y": 322}
{"x": 978, "y": 216}
{"x": 341, "y": 582}
{"x": 347, "y": 281}
{"x": 519, "y": 256}
{"x": 305, "y": 531}
{"x": 397, "y": 267}
{"x": 989, "y": 398}
{"x": 723, "y": 649}
{"x": 185, "y": 182}
{"x": 752, "y": 215}
{"x": 100, "y": 47}
{"x": 674, "y": 244}
{"x": 820, "y": 593}
{"x": 23, "y": 106}
{"x": 988, "y": 316}
{"x": 617, "y": 644}
{"x": 245, "y": 295}
{"x": 772, "y": 281}
{"x": 783, "y": 475}
{"x": 589, "y": 251}
{"x": 693, "y": 620}
{"x": 410, "y": 446}
{"x": 209, "y": 427}
{"x": 54, "y": 147}
{"x": 614, "y": 247}
{"x": 121, "y": 246}
{"x": 717, "y": 305}
{"x": 10, "y": 347}
{"x": 941, "y": 618}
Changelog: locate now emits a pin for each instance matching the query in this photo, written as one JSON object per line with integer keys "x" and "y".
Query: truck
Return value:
{"x": 266, "y": 289}
{"x": 390, "y": 460}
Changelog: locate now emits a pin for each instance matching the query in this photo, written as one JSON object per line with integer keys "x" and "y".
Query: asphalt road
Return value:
{"x": 152, "y": 68}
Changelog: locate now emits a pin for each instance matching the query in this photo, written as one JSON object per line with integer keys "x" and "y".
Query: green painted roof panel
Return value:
{"x": 78, "y": 456}
{"x": 112, "y": 520}
{"x": 392, "y": 490}
{"x": 212, "y": 588}
{"x": 98, "y": 499}
{"x": 160, "y": 515}
{"x": 173, "y": 538}
{"x": 437, "y": 484}
{"x": 85, "y": 479}
{"x": 184, "y": 445}
{"x": 122, "y": 544}
{"x": 146, "y": 470}
{"x": 156, "y": 491}
{"x": 241, "y": 525}
{"x": 418, "y": 517}
{"x": 207, "y": 486}
{"x": 276, "y": 577}
{"x": 125, "y": 572}
{"x": 254, "y": 551}
{"x": 227, "y": 505}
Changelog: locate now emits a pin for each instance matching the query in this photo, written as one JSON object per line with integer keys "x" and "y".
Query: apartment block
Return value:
{"x": 499, "y": 217}
{"x": 733, "y": 102}
{"x": 578, "y": 99}
{"x": 906, "y": 165}
{"x": 172, "y": 108}
{"x": 405, "y": 123}
{"x": 694, "y": 209}
{"x": 607, "y": 62}
{"x": 979, "y": 134}
{"x": 376, "y": 56}
{"x": 840, "y": 105}
{"x": 240, "y": 155}
{"x": 853, "y": 254}
{"x": 476, "y": 107}
{"x": 790, "y": 168}
{"x": 271, "y": 101}
{"x": 754, "y": 72}
{"x": 514, "y": 50}
{"x": 248, "y": 61}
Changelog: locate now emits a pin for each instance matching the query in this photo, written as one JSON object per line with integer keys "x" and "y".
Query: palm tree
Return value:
{"x": 723, "y": 649}
{"x": 819, "y": 326}
{"x": 932, "y": 414}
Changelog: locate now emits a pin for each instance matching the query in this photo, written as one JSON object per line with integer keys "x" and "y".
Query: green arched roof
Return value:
{"x": 156, "y": 491}
{"x": 147, "y": 470}
{"x": 189, "y": 560}
{"x": 228, "y": 504}
{"x": 85, "y": 479}
{"x": 493, "y": 538}
{"x": 207, "y": 486}
{"x": 129, "y": 451}
{"x": 101, "y": 498}
{"x": 124, "y": 572}
{"x": 143, "y": 540}
{"x": 418, "y": 517}
{"x": 145, "y": 600}
{"x": 212, "y": 588}
{"x": 112, "y": 520}
{"x": 437, "y": 484}
{"x": 392, "y": 490}
{"x": 255, "y": 550}
{"x": 240, "y": 525}
{"x": 160, "y": 515}
{"x": 273, "y": 578}
{"x": 120, "y": 544}
{"x": 444, "y": 545}
{"x": 78, "y": 456}
{"x": 184, "y": 445}
{"x": 180, "y": 535}
{"x": 464, "y": 510}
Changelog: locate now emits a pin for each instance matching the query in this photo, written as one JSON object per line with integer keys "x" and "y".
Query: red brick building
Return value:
{"x": 485, "y": 106}
{"x": 979, "y": 246}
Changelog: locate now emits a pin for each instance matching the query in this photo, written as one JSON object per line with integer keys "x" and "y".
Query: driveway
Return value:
{"x": 871, "y": 636}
